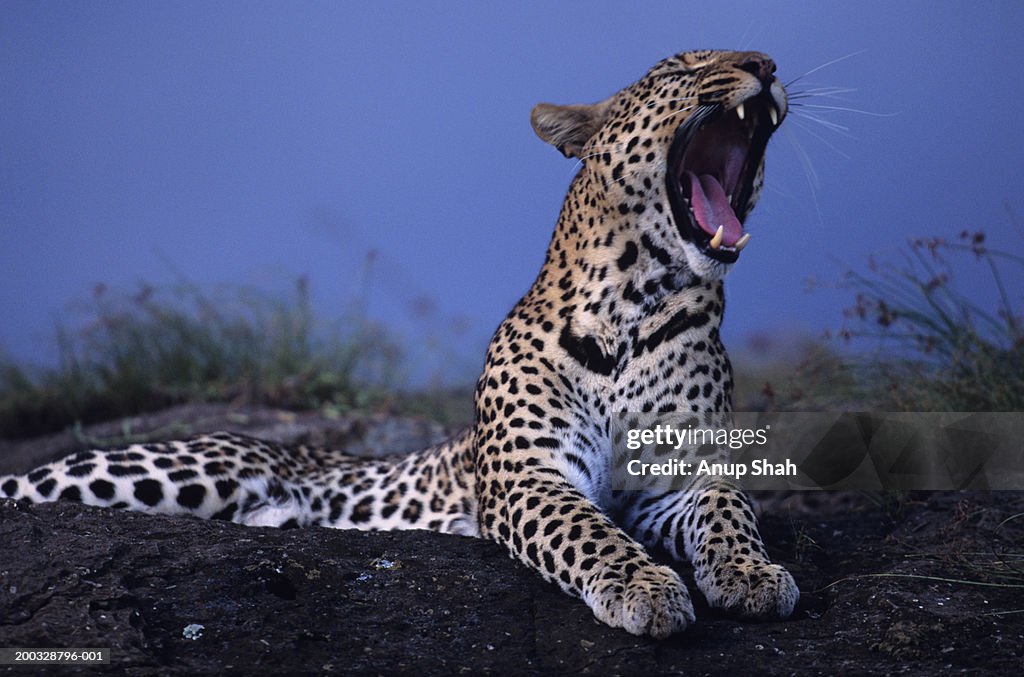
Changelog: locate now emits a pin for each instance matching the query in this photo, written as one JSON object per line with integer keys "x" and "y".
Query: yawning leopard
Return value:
{"x": 624, "y": 316}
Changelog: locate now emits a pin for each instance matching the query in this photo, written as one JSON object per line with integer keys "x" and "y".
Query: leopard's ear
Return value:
{"x": 568, "y": 128}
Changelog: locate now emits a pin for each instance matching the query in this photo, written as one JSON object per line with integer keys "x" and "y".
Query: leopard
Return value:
{"x": 624, "y": 316}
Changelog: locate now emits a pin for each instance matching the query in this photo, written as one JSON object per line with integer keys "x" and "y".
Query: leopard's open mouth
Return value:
{"x": 712, "y": 166}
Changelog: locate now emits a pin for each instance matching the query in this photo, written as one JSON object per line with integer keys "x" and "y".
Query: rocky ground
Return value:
{"x": 919, "y": 584}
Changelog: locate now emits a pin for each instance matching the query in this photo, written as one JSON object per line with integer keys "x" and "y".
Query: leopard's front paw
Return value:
{"x": 750, "y": 589}
{"x": 652, "y": 600}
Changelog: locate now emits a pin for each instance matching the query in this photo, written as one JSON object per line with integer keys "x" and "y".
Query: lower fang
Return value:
{"x": 742, "y": 242}
{"x": 716, "y": 241}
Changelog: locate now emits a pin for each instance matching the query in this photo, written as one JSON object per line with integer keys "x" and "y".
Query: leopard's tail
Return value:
{"x": 249, "y": 481}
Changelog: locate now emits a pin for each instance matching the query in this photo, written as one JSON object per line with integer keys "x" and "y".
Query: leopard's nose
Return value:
{"x": 759, "y": 65}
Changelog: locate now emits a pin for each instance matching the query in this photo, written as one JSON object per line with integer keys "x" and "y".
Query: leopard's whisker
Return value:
{"x": 807, "y": 129}
{"x": 846, "y": 109}
{"x": 821, "y": 92}
{"x": 813, "y": 180}
{"x": 827, "y": 124}
{"x": 824, "y": 65}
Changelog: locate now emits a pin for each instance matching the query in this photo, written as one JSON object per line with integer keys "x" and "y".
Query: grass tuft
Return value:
{"x": 158, "y": 348}
{"x": 914, "y": 341}
{"x": 938, "y": 348}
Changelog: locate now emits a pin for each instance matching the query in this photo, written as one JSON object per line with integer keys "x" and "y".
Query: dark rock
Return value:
{"x": 920, "y": 584}
{"x": 345, "y": 602}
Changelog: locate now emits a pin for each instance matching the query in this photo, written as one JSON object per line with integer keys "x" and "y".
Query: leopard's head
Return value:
{"x": 679, "y": 153}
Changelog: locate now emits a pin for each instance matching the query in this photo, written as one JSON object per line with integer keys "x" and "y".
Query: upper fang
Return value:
{"x": 774, "y": 115}
{"x": 739, "y": 111}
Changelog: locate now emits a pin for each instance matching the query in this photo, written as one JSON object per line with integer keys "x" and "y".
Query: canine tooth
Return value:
{"x": 742, "y": 242}
{"x": 774, "y": 114}
{"x": 716, "y": 241}
{"x": 739, "y": 111}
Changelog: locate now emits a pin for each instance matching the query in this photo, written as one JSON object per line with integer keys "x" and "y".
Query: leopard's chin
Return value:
{"x": 713, "y": 164}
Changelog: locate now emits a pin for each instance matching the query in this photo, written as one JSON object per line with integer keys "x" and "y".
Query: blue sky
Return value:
{"x": 254, "y": 142}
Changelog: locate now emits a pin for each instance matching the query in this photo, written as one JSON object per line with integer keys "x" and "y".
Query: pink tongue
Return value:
{"x": 712, "y": 209}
